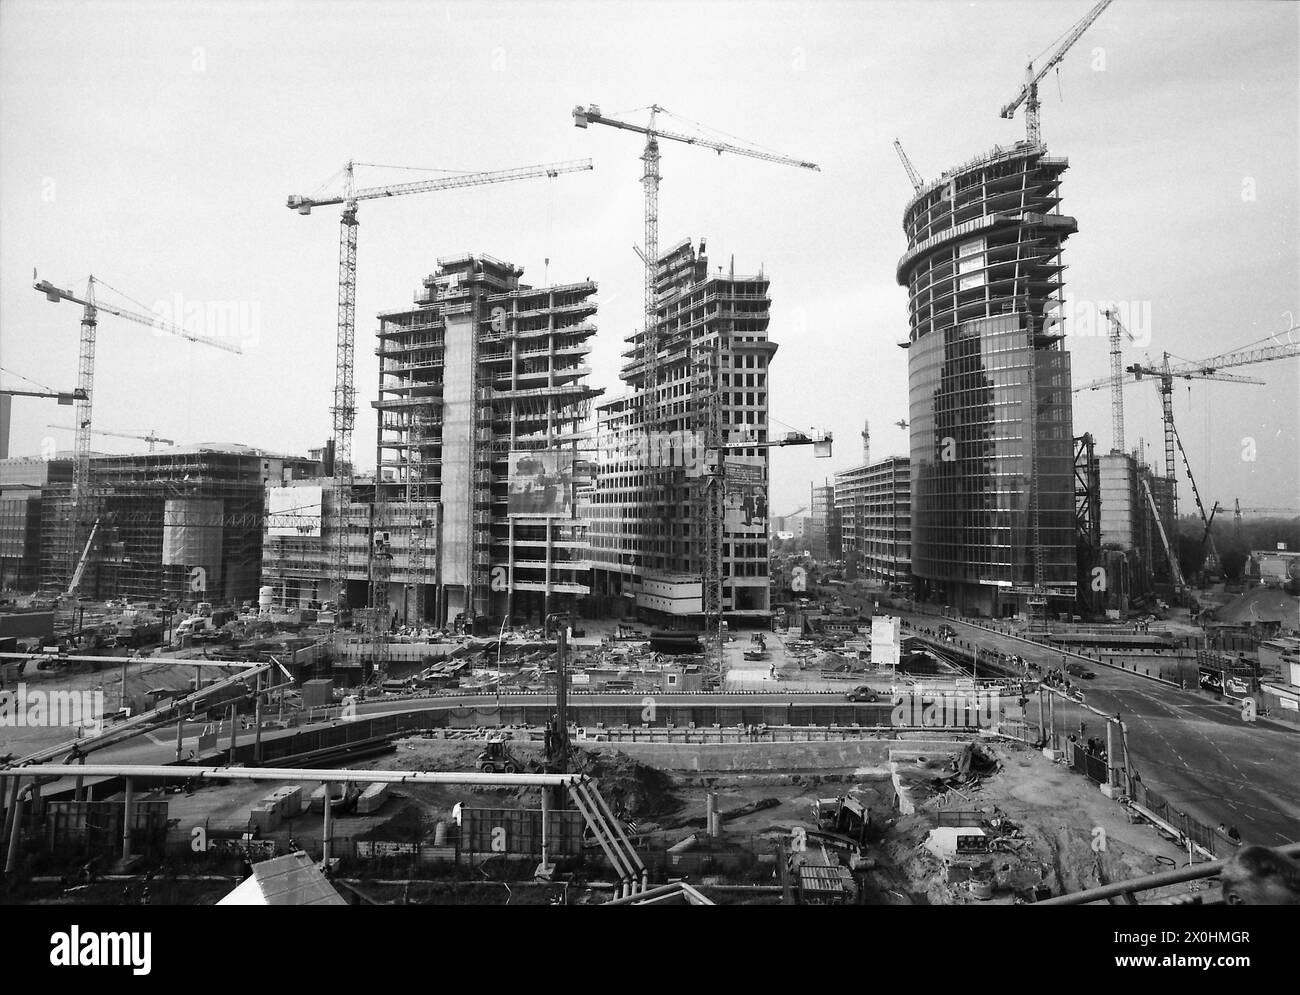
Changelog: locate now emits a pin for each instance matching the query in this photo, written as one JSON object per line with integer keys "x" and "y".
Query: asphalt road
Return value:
{"x": 1200, "y": 755}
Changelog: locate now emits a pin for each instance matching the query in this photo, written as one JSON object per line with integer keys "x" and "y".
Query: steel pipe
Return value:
{"x": 180, "y": 772}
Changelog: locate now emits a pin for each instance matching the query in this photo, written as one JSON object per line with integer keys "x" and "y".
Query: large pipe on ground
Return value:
{"x": 184, "y": 773}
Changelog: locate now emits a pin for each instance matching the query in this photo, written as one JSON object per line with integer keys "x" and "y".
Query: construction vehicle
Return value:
{"x": 1028, "y": 94}
{"x": 344, "y": 408}
{"x": 845, "y": 816}
{"x": 497, "y": 759}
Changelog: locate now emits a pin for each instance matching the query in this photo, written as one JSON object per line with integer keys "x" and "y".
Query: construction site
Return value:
{"x": 549, "y": 644}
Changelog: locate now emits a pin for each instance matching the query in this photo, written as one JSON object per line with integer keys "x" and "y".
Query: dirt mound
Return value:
{"x": 631, "y": 788}
{"x": 406, "y": 826}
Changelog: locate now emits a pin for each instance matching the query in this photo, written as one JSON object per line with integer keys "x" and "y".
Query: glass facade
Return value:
{"x": 989, "y": 383}
{"x": 970, "y": 389}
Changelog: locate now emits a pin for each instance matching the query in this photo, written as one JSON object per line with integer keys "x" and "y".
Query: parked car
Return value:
{"x": 862, "y": 693}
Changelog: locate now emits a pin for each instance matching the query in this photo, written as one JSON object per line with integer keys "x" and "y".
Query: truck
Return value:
{"x": 190, "y": 627}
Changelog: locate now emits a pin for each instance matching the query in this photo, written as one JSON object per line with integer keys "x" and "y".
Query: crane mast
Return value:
{"x": 343, "y": 410}
{"x": 1116, "y": 379}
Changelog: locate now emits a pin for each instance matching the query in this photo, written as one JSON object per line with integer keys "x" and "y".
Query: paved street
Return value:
{"x": 1199, "y": 754}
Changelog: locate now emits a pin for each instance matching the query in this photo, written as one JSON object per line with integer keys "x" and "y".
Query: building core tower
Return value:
{"x": 989, "y": 384}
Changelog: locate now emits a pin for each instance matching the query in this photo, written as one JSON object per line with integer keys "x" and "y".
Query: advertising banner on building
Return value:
{"x": 745, "y": 501}
{"x": 293, "y": 511}
{"x": 541, "y": 484}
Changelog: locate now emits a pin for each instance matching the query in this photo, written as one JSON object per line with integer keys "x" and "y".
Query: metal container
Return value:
{"x": 317, "y": 693}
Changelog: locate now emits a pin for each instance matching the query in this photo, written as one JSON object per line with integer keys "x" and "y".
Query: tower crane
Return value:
{"x": 912, "y": 174}
{"x": 1203, "y": 369}
{"x": 1028, "y": 94}
{"x": 649, "y": 252}
{"x": 151, "y": 438}
{"x": 344, "y": 408}
{"x": 1116, "y": 378}
{"x": 91, "y": 309}
{"x": 707, "y": 375}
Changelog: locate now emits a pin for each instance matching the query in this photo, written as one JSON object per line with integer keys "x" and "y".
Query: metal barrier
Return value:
{"x": 1183, "y": 823}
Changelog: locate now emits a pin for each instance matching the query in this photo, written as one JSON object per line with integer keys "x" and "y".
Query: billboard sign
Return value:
{"x": 541, "y": 484}
{"x": 745, "y": 501}
{"x": 293, "y": 511}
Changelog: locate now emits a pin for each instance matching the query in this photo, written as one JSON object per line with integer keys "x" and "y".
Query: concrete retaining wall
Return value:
{"x": 871, "y": 753}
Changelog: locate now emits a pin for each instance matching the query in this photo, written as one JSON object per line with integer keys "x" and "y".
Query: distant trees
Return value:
{"x": 1234, "y": 544}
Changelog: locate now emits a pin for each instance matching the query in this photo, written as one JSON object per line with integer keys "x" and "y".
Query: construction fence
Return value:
{"x": 1190, "y": 828}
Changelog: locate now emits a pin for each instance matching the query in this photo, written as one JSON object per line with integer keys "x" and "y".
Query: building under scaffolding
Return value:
{"x": 483, "y": 440}
{"x": 647, "y": 516}
{"x": 296, "y": 561}
{"x": 183, "y": 524}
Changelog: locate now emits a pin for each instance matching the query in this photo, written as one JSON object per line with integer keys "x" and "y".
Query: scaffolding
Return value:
{"x": 711, "y": 390}
{"x": 181, "y": 525}
{"x": 481, "y": 367}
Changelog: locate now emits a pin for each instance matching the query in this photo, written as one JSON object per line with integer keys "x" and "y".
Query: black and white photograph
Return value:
{"x": 735, "y": 452}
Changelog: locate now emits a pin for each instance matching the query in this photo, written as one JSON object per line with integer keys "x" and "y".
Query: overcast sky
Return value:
{"x": 154, "y": 145}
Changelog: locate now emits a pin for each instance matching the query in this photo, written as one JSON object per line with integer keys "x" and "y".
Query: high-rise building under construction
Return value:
{"x": 993, "y": 526}
{"x": 483, "y": 429}
{"x": 647, "y": 510}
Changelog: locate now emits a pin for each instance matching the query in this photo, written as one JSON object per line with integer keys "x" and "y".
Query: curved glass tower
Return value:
{"x": 989, "y": 384}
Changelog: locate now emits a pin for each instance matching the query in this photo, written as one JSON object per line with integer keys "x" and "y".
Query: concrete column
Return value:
{"x": 126, "y": 818}
{"x": 257, "y": 730}
{"x": 12, "y": 806}
{"x": 1051, "y": 720}
{"x": 233, "y": 742}
{"x": 328, "y": 828}
{"x": 546, "y": 820}
{"x": 15, "y": 825}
